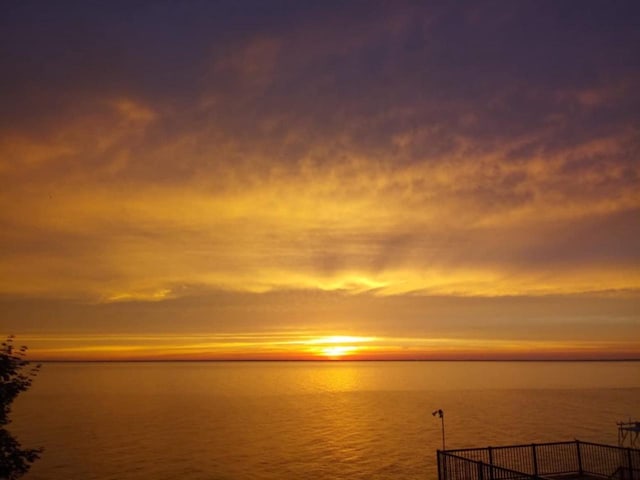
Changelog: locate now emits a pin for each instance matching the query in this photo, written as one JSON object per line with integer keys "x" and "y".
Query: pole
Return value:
{"x": 440, "y": 413}
{"x": 442, "y": 419}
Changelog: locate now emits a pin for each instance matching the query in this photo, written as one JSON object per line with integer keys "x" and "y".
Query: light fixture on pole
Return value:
{"x": 440, "y": 413}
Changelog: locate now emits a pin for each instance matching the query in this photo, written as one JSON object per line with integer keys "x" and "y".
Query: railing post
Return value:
{"x": 535, "y": 459}
{"x": 629, "y": 462}
{"x": 490, "y": 463}
{"x": 579, "y": 457}
{"x": 442, "y": 465}
{"x": 480, "y": 472}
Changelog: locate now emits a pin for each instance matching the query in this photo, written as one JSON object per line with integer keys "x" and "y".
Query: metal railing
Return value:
{"x": 540, "y": 461}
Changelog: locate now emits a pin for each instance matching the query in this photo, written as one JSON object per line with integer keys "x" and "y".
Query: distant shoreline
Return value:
{"x": 604, "y": 360}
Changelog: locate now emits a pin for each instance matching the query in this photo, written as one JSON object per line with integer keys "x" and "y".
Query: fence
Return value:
{"x": 540, "y": 461}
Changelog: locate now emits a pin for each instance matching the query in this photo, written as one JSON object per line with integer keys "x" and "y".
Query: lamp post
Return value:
{"x": 440, "y": 413}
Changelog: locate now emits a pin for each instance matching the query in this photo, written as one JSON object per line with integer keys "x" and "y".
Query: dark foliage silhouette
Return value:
{"x": 16, "y": 375}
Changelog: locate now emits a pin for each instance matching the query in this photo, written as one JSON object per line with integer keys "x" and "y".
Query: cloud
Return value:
{"x": 454, "y": 225}
{"x": 208, "y": 324}
{"x": 444, "y": 150}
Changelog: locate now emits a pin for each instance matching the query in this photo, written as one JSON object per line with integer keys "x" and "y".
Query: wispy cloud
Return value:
{"x": 396, "y": 150}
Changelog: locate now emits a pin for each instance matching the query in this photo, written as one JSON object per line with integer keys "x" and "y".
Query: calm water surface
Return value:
{"x": 326, "y": 420}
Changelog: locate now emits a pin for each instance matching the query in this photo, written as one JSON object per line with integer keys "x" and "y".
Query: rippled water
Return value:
{"x": 326, "y": 420}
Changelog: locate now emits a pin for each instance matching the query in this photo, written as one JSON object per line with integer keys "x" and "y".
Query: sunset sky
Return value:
{"x": 320, "y": 180}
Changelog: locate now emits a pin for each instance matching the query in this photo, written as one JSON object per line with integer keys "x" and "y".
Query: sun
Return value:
{"x": 337, "y": 347}
{"x": 338, "y": 351}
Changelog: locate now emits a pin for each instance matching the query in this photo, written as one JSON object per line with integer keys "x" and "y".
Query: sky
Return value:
{"x": 320, "y": 180}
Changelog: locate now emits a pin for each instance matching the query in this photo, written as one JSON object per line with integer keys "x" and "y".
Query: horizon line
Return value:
{"x": 341, "y": 360}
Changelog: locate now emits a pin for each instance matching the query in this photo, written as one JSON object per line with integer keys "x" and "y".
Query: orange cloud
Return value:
{"x": 414, "y": 152}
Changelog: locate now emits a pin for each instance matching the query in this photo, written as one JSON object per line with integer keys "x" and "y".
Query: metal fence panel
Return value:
{"x": 533, "y": 461}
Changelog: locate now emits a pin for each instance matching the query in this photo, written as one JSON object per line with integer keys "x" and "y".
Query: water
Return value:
{"x": 325, "y": 420}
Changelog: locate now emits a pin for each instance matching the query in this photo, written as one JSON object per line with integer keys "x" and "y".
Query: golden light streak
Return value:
{"x": 306, "y": 346}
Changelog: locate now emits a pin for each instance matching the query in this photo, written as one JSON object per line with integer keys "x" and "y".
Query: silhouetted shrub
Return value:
{"x": 16, "y": 375}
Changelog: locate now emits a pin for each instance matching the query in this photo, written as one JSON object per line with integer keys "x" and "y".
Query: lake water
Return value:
{"x": 290, "y": 420}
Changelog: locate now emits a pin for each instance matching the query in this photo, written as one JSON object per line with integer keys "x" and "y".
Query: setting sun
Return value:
{"x": 338, "y": 351}
{"x": 337, "y": 346}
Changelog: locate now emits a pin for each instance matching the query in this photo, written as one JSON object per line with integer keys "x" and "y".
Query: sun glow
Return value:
{"x": 338, "y": 351}
{"x": 337, "y": 346}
